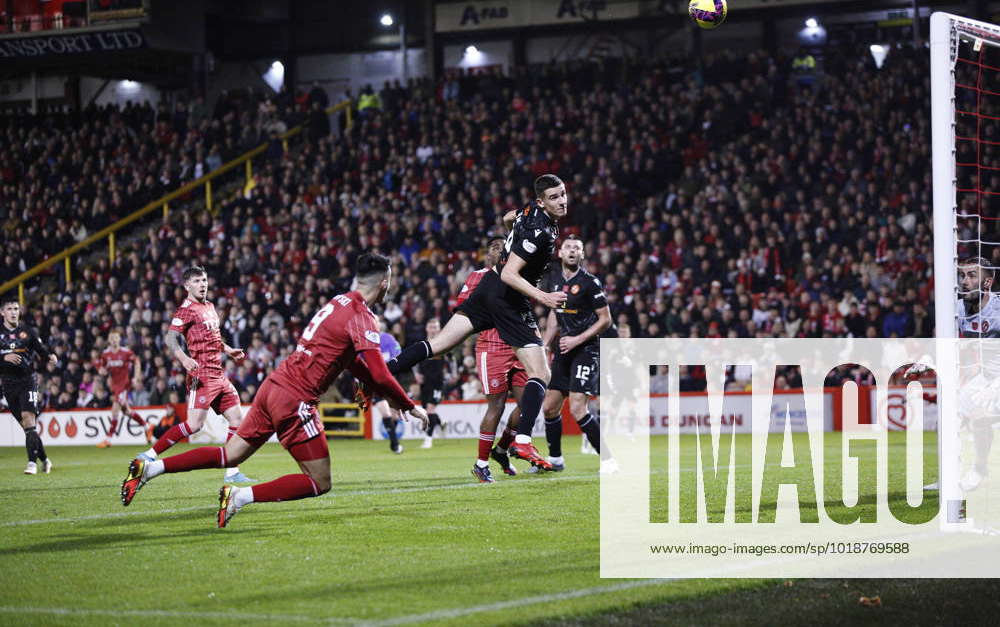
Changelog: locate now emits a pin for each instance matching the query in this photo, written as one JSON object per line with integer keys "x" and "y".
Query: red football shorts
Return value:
{"x": 498, "y": 368}
{"x": 217, "y": 394}
{"x": 120, "y": 396}
{"x": 276, "y": 410}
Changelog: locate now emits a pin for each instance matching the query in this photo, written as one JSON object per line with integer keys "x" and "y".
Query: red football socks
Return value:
{"x": 173, "y": 435}
{"x": 507, "y": 438}
{"x": 485, "y": 444}
{"x": 199, "y": 458}
{"x": 287, "y": 488}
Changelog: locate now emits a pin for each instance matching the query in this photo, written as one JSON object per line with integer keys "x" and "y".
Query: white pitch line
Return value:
{"x": 64, "y": 611}
{"x": 460, "y": 486}
{"x": 431, "y": 488}
{"x": 513, "y": 603}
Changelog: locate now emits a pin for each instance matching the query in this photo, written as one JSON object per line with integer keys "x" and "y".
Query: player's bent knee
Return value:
{"x": 233, "y": 415}
{"x": 238, "y": 451}
{"x": 540, "y": 372}
{"x": 323, "y": 484}
{"x": 551, "y": 409}
{"x": 195, "y": 423}
{"x": 319, "y": 472}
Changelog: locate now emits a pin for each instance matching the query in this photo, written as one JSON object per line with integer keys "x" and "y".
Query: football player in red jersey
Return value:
{"x": 499, "y": 371}
{"x": 198, "y": 323}
{"x": 344, "y": 334}
{"x": 116, "y": 363}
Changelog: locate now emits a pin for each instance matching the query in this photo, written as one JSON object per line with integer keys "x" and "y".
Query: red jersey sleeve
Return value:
{"x": 370, "y": 369}
{"x": 363, "y": 331}
{"x": 181, "y": 320}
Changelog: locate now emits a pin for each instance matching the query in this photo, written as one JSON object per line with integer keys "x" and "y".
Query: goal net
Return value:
{"x": 965, "y": 116}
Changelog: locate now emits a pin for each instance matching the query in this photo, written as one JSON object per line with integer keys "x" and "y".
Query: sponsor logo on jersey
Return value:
{"x": 177, "y": 322}
{"x": 372, "y": 336}
{"x": 575, "y": 289}
{"x": 528, "y": 246}
{"x": 24, "y": 335}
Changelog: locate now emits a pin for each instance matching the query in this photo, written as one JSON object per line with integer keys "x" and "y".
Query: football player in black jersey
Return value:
{"x": 18, "y": 347}
{"x": 503, "y": 301}
{"x": 579, "y": 325}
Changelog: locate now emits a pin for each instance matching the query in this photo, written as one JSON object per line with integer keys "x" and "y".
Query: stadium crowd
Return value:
{"x": 64, "y": 176}
{"x": 726, "y": 202}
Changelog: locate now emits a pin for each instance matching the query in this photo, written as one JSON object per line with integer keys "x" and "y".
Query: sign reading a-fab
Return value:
{"x": 463, "y": 16}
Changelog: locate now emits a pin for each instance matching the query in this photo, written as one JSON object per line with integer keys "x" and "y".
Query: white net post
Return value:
{"x": 947, "y": 32}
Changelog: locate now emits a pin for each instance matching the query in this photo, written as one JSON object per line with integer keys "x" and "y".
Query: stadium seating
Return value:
{"x": 64, "y": 176}
{"x": 726, "y": 202}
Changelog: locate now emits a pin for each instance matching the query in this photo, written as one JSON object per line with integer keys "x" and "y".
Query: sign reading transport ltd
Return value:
{"x": 76, "y": 43}
{"x": 464, "y": 16}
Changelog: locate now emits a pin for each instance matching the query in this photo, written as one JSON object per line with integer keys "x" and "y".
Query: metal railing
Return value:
{"x": 161, "y": 204}
{"x": 342, "y": 420}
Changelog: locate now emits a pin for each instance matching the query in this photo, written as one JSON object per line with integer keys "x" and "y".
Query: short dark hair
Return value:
{"x": 8, "y": 299}
{"x": 370, "y": 265}
{"x": 192, "y": 271}
{"x": 572, "y": 237}
{"x": 490, "y": 240}
{"x": 544, "y": 182}
{"x": 987, "y": 271}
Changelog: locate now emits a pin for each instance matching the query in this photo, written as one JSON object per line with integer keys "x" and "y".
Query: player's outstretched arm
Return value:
{"x": 511, "y": 275}
{"x": 420, "y": 414}
{"x": 369, "y": 368}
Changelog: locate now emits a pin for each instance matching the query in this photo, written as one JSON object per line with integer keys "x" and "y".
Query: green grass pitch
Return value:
{"x": 407, "y": 539}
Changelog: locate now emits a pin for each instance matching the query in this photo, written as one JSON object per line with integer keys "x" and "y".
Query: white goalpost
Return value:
{"x": 958, "y": 47}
